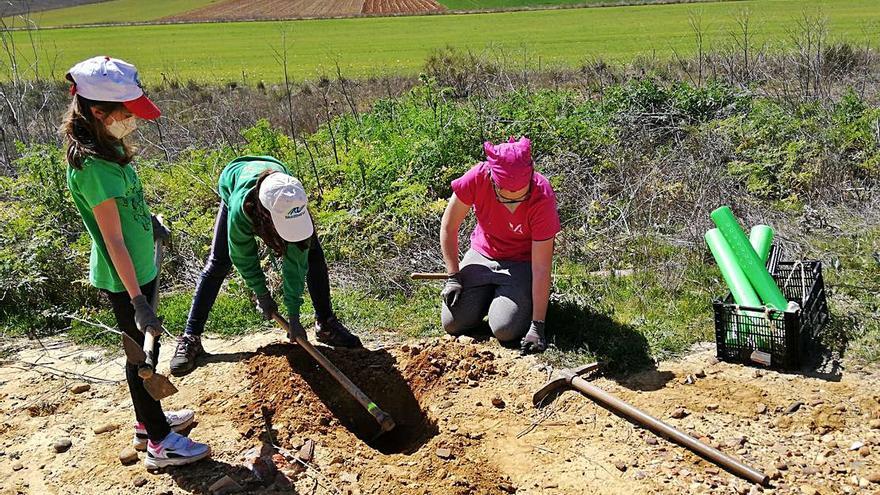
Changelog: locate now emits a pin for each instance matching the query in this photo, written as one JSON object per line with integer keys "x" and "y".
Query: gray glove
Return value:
{"x": 534, "y": 341}
{"x": 452, "y": 290}
{"x": 296, "y": 330}
{"x": 266, "y": 305}
{"x": 144, "y": 315}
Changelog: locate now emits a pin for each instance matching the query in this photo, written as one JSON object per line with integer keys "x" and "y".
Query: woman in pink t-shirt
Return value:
{"x": 506, "y": 272}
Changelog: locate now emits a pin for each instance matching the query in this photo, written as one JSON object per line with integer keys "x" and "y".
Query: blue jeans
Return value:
{"x": 219, "y": 265}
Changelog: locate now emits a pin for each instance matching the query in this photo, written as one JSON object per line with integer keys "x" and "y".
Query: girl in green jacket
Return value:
{"x": 107, "y": 100}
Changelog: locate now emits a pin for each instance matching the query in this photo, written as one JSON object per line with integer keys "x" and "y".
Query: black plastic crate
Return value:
{"x": 777, "y": 339}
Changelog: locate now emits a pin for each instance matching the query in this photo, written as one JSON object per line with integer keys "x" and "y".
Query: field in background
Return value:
{"x": 135, "y": 11}
{"x": 368, "y": 46}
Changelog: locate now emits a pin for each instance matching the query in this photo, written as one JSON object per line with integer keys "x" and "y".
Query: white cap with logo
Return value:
{"x": 286, "y": 200}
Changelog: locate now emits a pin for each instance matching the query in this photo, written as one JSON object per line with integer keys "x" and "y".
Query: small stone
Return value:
{"x": 224, "y": 485}
{"x": 506, "y": 487}
{"x": 874, "y": 424}
{"x": 873, "y": 477}
{"x": 711, "y": 407}
{"x": 104, "y": 428}
{"x": 128, "y": 456}
{"x": 445, "y": 404}
{"x": 774, "y": 474}
{"x": 498, "y": 402}
{"x": 794, "y": 407}
{"x": 465, "y": 339}
{"x": 307, "y": 451}
{"x": 348, "y": 477}
{"x": 444, "y": 453}
{"x": 713, "y": 361}
{"x": 781, "y": 466}
{"x": 809, "y": 490}
{"x": 678, "y": 413}
{"x": 700, "y": 374}
{"x": 640, "y": 475}
{"x": 621, "y": 466}
{"x": 651, "y": 441}
{"x": 736, "y": 441}
{"x": 17, "y": 466}
{"x": 856, "y": 445}
{"x": 80, "y": 388}
{"x": 62, "y": 445}
{"x": 761, "y": 408}
{"x": 473, "y": 383}
{"x": 139, "y": 481}
{"x": 865, "y": 451}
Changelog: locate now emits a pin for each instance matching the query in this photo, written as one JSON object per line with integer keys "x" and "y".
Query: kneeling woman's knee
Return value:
{"x": 450, "y": 325}
{"x": 507, "y": 328}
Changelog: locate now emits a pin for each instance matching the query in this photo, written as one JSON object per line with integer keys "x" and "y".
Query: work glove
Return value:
{"x": 144, "y": 315}
{"x": 266, "y": 305}
{"x": 296, "y": 330}
{"x": 452, "y": 290}
{"x": 534, "y": 341}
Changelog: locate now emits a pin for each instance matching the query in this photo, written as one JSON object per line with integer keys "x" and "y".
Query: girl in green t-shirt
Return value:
{"x": 107, "y": 100}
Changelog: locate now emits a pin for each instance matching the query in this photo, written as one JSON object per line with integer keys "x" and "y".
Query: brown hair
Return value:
{"x": 86, "y": 135}
{"x": 262, "y": 219}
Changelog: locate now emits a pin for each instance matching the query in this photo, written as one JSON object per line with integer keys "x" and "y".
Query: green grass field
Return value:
{"x": 511, "y": 4}
{"x": 369, "y": 46}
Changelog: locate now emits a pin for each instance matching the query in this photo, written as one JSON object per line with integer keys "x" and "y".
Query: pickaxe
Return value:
{"x": 562, "y": 379}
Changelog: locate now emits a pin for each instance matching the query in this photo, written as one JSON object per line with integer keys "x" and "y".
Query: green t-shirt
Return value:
{"x": 237, "y": 181}
{"x": 98, "y": 181}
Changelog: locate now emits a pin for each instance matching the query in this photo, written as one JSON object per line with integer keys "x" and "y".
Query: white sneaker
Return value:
{"x": 177, "y": 420}
{"x": 174, "y": 450}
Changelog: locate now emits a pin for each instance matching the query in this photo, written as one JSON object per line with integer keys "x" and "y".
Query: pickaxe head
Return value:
{"x": 559, "y": 380}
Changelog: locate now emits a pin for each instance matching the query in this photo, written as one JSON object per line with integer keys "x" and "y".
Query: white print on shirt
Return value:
{"x": 517, "y": 229}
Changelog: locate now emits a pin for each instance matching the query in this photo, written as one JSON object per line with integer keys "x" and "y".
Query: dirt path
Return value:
{"x": 465, "y": 424}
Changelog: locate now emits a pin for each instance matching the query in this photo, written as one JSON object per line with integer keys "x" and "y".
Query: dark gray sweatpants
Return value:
{"x": 501, "y": 289}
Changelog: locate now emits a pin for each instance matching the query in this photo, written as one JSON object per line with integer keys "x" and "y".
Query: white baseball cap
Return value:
{"x": 286, "y": 200}
{"x": 111, "y": 79}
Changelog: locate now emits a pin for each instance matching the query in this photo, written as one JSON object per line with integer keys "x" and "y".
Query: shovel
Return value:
{"x": 386, "y": 423}
{"x": 158, "y": 386}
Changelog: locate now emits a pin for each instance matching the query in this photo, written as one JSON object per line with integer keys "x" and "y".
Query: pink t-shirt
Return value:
{"x": 500, "y": 234}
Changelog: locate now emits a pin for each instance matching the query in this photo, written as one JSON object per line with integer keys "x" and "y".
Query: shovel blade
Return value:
{"x": 134, "y": 353}
{"x": 159, "y": 386}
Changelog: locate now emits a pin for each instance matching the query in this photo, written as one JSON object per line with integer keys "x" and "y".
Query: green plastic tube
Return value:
{"x": 761, "y": 238}
{"x": 736, "y": 279}
{"x": 748, "y": 259}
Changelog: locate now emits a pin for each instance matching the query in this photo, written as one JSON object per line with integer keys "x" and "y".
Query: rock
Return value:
{"x": 865, "y": 451}
{"x": 712, "y": 361}
{"x": 498, "y": 402}
{"x": 62, "y": 445}
{"x": 348, "y": 477}
{"x": 621, "y": 466}
{"x": 224, "y": 485}
{"x": 640, "y": 475}
{"x": 781, "y": 466}
{"x": 444, "y": 453}
{"x": 794, "y": 407}
{"x": 809, "y": 490}
{"x": 465, "y": 339}
{"x": 651, "y": 441}
{"x": 307, "y": 451}
{"x": 80, "y": 388}
{"x": 128, "y": 456}
{"x": 445, "y": 404}
{"x": 139, "y": 481}
{"x": 736, "y": 441}
{"x": 700, "y": 374}
{"x": 761, "y": 408}
{"x": 711, "y": 407}
{"x": 506, "y": 487}
{"x": 679, "y": 413}
{"x": 874, "y": 424}
{"x": 104, "y": 428}
{"x": 873, "y": 477}
{"x": 17, "y": 466}
{"x": 856, "y": 445}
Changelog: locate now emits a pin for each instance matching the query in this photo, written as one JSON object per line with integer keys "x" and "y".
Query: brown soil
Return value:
{"x": 236, "y": 10}
{"x": 401, "y": 6}
{"x": 472, "y": 399}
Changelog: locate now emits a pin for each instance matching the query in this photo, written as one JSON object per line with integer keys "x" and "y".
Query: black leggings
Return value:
{"x": 146, "y": 409}
{"x": 219, "y": 265}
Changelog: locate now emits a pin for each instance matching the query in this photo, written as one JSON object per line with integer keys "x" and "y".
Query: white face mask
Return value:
{"x": 121, "y": 128}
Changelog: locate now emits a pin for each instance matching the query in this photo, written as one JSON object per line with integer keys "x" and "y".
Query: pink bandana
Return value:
{"x": 510, "y": 163}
